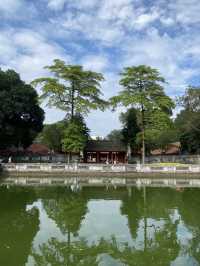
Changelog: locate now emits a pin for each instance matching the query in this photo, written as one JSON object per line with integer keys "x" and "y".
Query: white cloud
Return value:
{"x": 56, "y": 4}
{"x": 92, "y": 28}
{"x": 81, "y": 4}
{"x": 109, "y": 21}
{"x": 164, "y": 53}
{"x": 28, "y": 52}
{"x": 104, "y": 36}
{"x": 18, "y": 10}
{"x": 145, "y": 19}
{"x": 95, "y": 62}
{"x": 10, "y": 6}
{"x": 186, "y": 11}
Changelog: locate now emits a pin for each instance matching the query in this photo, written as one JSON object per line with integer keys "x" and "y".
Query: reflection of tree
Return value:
{"x": 189, "y": 209}
{"x": 60, "y": 253}
{"x": 140, "y": 207}
{"x": 17, "y": 226}
{"x": 132, "y": 206}
{"x": 160, "y": 202}
{"x": 67, "y": 209}
{"x": 161, "y": 252}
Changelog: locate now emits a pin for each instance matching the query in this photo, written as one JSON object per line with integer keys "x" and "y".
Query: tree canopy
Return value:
{"x": 21, "y": 117}
{"x": 75, "y": 135}
{"x": 115, "y": 135}
{"x": 188, "y": 120}
{"x": 52, "y": 135}
{"x": 130, "y": 129}
{"x": 72, "y": 88}
{"x": 142, "y": 89}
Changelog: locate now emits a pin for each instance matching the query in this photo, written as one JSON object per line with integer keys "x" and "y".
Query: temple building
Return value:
{"x": 104, "y": 151}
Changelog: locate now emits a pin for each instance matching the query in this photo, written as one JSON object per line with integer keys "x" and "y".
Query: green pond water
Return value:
{"x": 99, "y": 226}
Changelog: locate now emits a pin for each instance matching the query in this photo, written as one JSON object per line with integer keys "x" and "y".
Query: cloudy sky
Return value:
{"x": 105, "y": 36}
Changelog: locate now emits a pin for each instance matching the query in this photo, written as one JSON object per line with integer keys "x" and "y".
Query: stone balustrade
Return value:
{"x": 50, "y": 167}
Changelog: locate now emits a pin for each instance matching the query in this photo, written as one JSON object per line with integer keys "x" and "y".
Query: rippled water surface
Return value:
{"x": 99, "y": 226}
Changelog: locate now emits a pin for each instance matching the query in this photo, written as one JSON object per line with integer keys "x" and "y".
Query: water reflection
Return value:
{"x": 17, "y": 226}
{"x": 99, "y": 226}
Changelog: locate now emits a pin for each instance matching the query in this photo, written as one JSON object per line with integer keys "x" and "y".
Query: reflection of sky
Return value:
{"x": 104, "y": 220}
{"x": 47, "y": 230}
{"x": 183, "y": 237}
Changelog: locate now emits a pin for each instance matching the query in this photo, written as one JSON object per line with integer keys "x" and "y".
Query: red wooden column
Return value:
{"x": 97, "y": 157}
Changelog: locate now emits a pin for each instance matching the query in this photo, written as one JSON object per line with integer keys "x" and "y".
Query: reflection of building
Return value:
{"x": 104, "y": 151}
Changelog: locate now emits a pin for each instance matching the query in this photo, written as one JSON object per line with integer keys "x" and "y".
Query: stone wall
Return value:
{"x": 119, "y": 168}
{"x": 185, "y": 159}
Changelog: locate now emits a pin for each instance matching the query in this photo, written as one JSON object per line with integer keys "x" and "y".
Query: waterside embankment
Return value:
{"x": 97, "y": 168}
{"x": 49, "y": 170}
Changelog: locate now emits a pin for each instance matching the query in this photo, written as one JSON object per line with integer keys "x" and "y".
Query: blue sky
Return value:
{"x": 104, "y": 36}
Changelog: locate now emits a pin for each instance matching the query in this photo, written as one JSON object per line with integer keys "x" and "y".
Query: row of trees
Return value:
{"x": 146, "y": 124}
{"x": 185, "y": 128}
{"x": 77, "y": 91}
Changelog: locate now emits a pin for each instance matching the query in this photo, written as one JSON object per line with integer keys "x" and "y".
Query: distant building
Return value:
{"x": 96, "y": 137}
{"x": 104, "y": 151}
{"x": 39, "y": 149}
{"x": 171, "y": 149}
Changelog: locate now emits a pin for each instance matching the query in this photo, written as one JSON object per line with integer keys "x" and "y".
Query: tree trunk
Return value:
{"x": 143, "y": 147}
{"x": 69, "y": 247}
{"x": 72, "y": 101}
{"x": 143, "y": 137}
{"x": 145, "y": 220}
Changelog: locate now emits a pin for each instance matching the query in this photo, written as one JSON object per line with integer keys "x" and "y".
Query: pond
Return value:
{"x": 99, "y": 226}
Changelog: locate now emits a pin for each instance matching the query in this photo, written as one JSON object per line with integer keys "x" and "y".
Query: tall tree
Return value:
{"x": 187, "y": 121}
{"x": 115, "y": 135}
{"x": 130, "y": 129}
{"x": 52, "y": 135}
{"x": 21, "y": 117}
{"x": 72, "y": 89}
{"x": 75, "y": 135}
{"x": 142, "y": 89}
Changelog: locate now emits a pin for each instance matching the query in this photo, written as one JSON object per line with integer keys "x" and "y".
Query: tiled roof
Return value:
{"x": 172, "y": 149}
{"x": 38, "y": 149}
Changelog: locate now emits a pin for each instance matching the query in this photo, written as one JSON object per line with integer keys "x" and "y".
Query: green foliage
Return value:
{"x": 75, "y": 135}
{"x": 142, "y": 89}
{"x": 191, "y": 99}
{"x": 73, "y": 89}
{"x": 188, "y": 120}
{"x": 159, "y": 130}
{"x": 68, "y": 210}
{"x": 52, "y": 135}
{"x": 167, "y": 137}
{"x": 130, "y": 129}
{"x": 188, "y": 126}
{"x": 59, "y": 253}
{"x": 21, "y": 118}
{"x": 115, "y": 135}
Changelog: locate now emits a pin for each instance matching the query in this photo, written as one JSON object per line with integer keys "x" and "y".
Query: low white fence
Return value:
{"x": 49, "y": 167}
